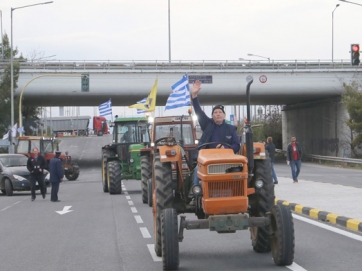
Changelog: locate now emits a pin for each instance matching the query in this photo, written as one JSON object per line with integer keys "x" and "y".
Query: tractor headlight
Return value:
{"x": 196, "y": 190}
{"x": 152, "y": 144}
{"x": 131, "y": 160}
{"x": 259, "y": 183}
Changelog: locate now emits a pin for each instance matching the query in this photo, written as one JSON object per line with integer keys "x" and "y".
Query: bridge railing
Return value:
{"x": 182, "y": 64}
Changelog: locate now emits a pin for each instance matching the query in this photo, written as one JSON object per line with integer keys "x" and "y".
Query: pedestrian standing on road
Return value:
{"x": 56, "y": 175}
{"x": 270, "y": 147}
{"x": 36, "y": 164}
{"x": 294, "y": 158}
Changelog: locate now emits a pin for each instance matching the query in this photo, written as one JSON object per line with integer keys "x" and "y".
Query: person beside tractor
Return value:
{"x": 270, "y": 147}
{"x": 36, "y": 165}
{"x": 214, "y": 129}
{"x": 294, "y": 158}
{"x": 56, "y": 175}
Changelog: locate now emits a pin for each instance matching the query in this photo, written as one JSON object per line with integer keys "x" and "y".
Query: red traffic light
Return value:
{"x": 355, "y": 48}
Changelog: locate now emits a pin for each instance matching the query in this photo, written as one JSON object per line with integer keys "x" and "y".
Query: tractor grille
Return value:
{"x": 225, "y": 189}
{"x": 221, "y": 168}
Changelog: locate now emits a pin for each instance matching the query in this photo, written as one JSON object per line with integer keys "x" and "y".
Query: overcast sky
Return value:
{"x": 200, "y": 29}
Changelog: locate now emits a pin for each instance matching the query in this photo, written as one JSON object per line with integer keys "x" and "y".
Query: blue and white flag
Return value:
{"x": 105, "y": 108}
{"x": 180, "y": 95}
{"x": 143, "y": 101}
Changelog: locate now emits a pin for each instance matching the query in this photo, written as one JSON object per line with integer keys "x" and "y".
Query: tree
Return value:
{"x": 29, "y": 112}
{"x": 352, "y": 99}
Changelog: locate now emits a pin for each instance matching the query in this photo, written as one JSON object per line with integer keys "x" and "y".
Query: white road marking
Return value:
{"x": 295, "y": 267}
{"x": 128, "y": 197}
{"x": 151, "y": 249}
{"x": 138, "y": 219}
{"x": 330, "y": 228}
{"x": 145, "y": 232}
{"x": 65, "y": 210}
{"x": 130, "y": 202}
{"x": 125, "y": 192}
{"x": 10, "y": 206}
{"x": 134, "y": 210}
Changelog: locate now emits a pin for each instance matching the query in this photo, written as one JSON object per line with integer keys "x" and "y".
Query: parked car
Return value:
{"x": 14, "y": 176}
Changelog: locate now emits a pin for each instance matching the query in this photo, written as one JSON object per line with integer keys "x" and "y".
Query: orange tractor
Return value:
{"x": 47, "y": 148}
{"x": 181, "y": 128}
{"x": 236, "y": 192}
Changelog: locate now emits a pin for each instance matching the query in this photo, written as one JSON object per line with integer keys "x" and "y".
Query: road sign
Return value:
{"x": 204, "y": 79}
{"x": 263, "y": 79}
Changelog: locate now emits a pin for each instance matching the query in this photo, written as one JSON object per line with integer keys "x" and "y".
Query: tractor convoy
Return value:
{"x": 236, "y": 191}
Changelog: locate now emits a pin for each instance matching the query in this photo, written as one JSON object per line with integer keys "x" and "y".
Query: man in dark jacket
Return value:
{"x": 214, "y": 129}
{"x": 36, "y": 165}
{"x": 294, "y": 158}
{"x": 270, "y": 147}
{"x": 56, "y": 175}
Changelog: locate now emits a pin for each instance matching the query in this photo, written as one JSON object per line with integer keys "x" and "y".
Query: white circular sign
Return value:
{"x": 263, "y": 79}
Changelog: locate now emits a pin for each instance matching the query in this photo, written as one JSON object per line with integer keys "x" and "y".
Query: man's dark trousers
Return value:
{"x": 54, "y": 192}
{"x": 37, "y": 178}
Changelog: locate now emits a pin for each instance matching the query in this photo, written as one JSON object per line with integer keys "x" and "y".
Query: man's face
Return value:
{"x": 35, "y": 152}
{"x": 218, "y": 116}
{"x": 293, "y": 139}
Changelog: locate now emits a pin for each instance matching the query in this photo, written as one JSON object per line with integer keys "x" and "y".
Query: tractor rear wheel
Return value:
{"x": 169, "y": 236}
{"x": 164, "y": 197}
{"x": 282, "y": 239}
{"x": 146, "y": 174}
{"x": 115, "y": 177}
{"x": 73, "y": 173}
{"x": 261, "y": 203}
{"x": 150, "y": 192}
{"x": 105, "y": 155}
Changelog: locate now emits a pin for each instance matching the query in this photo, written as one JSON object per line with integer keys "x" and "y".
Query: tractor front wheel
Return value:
{"x": 114, "y": 176}
{"x": 169, "y": 236}
{"x": 105, "y": 155}
{"x": 164, "y": 197}
{"x": 282, "y": 235}
{"x": 73, "y": 172}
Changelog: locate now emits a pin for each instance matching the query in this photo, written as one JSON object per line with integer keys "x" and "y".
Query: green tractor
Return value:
{"x": 121, "y": 158}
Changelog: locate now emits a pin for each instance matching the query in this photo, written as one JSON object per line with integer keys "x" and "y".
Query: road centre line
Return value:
{"x": 138, "y": 219}
{"x": 128, "y": 197}
{"x": 134, "y": 210}
{"x": 130, "y": 202}
{"x": 295, "y": 267}
{"x": 145, "y": 232}
{"x": 151, "y": 249}
{"x": 327, "y": 227}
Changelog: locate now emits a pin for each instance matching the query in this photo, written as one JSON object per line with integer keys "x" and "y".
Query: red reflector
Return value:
{"x": 170, "y": 152}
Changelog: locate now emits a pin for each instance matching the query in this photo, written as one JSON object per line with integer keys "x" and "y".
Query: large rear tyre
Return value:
{"x": 146, "y": 174}
{"x": 115, "y": 177}
{"x": 282, "y": 238}
{"x": 261, "y": 202}
{"x": 105, "y": 155}
{"x": 170, "y": 243}
{"x": 164, "y": 197}
{"x": 73, "y": 173}
{"x": 8, "y": 187}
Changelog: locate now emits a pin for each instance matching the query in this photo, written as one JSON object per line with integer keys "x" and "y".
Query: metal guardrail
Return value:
{"x": 335, "y": 159}
{"x": 183, "y": 64}
{"x": 328, "y": 158}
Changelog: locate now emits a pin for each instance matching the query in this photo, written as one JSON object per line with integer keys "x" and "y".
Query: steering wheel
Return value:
{"x": 166, "y": 140}
{"x": 209, "y": 143}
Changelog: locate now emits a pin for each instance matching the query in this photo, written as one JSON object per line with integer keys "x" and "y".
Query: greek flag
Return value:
{"x": 143, "y": 101}
{"x": 105, "y": 108}
{"x": 180, "y": 95}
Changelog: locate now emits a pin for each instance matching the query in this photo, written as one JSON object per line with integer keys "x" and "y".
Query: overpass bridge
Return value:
{"x": 308, "y": 90}
{"x": 126, "y": 82}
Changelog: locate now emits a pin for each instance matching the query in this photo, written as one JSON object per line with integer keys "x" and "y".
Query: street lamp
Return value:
{"x": 333, "y": 31}
{"x": 2, "y": 44}
{"x": 169, "y": 34}
{"x": 350, "y": 2}
{"x": 260, "y": 56}
{"x": 12, "y": 64}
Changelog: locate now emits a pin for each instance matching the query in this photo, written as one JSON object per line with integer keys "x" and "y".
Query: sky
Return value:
{"x": 200, "y": 30}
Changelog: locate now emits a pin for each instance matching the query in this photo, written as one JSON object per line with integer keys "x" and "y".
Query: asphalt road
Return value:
{"x": 115, "y": 232}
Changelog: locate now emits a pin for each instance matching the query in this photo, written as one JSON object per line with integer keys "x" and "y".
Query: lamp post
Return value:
{"x": 333, "y": 31}
{"x": 260, "y": 56}
{"x": 2, "y": 44}
{"x": 169, "y": 34}
{"x": 12, "y": 64}
{"x": 350, "y": 2}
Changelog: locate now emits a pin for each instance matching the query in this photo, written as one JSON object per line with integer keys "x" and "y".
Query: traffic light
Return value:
{"x": 355, "y": 54}
{"x": 85, "y": 82}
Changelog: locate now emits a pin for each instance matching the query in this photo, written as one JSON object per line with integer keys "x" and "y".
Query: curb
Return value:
{"x": 350, "y": 223}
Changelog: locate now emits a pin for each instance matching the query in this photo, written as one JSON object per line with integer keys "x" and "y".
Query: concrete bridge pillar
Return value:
{"x": 318, "y": 125}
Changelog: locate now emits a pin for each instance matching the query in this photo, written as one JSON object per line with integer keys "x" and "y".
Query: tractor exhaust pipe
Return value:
{"x": 249, "y": 132}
